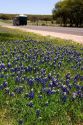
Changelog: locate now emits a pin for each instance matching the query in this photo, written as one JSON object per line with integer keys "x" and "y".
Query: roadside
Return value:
{"x": 66, "y": 36}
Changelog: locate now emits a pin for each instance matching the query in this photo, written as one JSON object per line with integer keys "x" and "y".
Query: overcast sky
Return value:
{"x": 27, "y": 6}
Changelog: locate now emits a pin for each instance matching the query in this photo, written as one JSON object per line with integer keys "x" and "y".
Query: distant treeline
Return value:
{"x": 69, "y": 13}
{"x": 65, "y": 13}
{"x": 32, "y": 18}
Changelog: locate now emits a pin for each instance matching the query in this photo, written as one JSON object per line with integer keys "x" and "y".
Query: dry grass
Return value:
{"x": 5, "y": 118}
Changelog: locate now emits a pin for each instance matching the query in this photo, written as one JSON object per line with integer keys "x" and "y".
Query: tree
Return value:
{"x": 69, "y": 11}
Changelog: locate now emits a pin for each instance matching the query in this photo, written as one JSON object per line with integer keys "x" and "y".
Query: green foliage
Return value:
{"x": 7, "y": 16}
{"x": 31, "y": 18}
{"x": 70, "y": 12}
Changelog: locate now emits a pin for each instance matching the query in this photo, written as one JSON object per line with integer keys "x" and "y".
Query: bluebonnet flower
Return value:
{"x": 77, "y": 86}
{"x": 43, "y": 71}
{"x": 29, "y": 68}
{"x": 49, "y": 76}
{"x": 68, "y": 76}
{"x": 17, "y": 80}
{"x": 12, "y": 94}
{"x": 7, "y": 90}
{"x": 12, "y": 69}
{"x": 40, "y": 96}
{"x": 69, "y": 86}
{"x": 43, "y": 82}
{"x": 82, "y": 68}
{"x": 38, "y": 112}
{"x": 31, "y": 95}
{"x": 51, "y": 84}
{"x": 5, "y": 69}
{"x": 67, "y": 82}
{"x": 48, "y": 91}
{"x": 5, "y": 84}
{"x": 31, "y": 82}
{"x": 79, "y": 92}
{"x": 2, "y": 65}
{"x": 18, "y": 90}
{"x": 64, "y": 89}
{"x": 9, "y": 65}
{"x": 20, "y": 122}
{"x": 76, "y": 78}
{"x": 55, "y": 82}
{"x": 30, "y": 104}
{"x": 59, "y": 63}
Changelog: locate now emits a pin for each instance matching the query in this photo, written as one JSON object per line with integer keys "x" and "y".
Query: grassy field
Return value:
{"x": 39, "y": 23}
{"x": 41, "y": 80}
{"x": 6, "y": 21}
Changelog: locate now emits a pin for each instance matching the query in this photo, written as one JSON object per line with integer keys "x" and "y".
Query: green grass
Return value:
{"x": 12, "y": 34}
{"x": 6, "y": 21}
{"x": 57, "y": 113}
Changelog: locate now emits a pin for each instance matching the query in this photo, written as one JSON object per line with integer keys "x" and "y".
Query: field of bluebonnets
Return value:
{"x": 41, "y": 80}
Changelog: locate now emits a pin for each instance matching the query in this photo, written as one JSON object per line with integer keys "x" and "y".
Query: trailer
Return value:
{"x": 20, "y": 20}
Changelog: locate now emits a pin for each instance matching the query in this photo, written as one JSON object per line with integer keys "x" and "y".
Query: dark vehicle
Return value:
{"x": 20, "y": 20}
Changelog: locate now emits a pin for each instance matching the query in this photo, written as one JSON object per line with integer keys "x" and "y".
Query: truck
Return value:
{"x": 20, "y": 20}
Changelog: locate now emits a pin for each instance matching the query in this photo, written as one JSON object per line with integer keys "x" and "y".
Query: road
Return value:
{"x": 65, "y": 30}
{"x": 74, "y": 34}
{"x": 73, "y": 31}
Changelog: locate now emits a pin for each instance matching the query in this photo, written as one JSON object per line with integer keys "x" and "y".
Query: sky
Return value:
{"x": 27, "y": 6}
